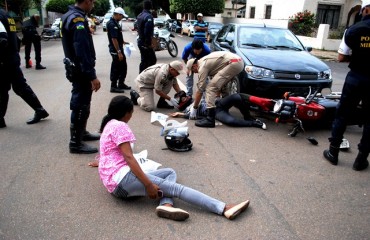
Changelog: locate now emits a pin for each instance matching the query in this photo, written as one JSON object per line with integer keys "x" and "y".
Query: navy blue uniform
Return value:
{"x": 356, "y": 87}
{"x": 10, "y": 72}
{"x": 31, "y": 36}
{"x": 78, "y": 46}
{"x": 118, "y": 70}
{"x": 145, "y": 30}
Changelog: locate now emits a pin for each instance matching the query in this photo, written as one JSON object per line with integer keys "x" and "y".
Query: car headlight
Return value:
{"x": 258, "y": 72}
{"x": 324, "y": 75}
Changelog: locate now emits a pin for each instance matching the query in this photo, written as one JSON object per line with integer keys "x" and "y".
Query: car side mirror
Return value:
{"x": 225, "y": 45}
{"x": 308, "y": 49}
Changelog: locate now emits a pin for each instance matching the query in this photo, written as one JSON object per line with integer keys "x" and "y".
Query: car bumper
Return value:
{"x": 275, "y": 88}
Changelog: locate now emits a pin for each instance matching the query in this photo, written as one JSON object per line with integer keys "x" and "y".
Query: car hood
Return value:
{"x": 284, "y": 60}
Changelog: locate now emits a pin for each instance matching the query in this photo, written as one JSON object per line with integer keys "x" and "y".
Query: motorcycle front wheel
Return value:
{"x": 172, "y": 48}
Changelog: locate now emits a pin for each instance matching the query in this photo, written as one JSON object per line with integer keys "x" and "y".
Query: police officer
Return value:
{"x": 31, "y": 36}
{"x": 11, "y": 74}
{"x": 355, "y": 89}
{"x": 145, "y": 30}
{"x": 196, "y": 49}
{"x": 200, "y": 28}
{"x": 118, "y": 69}
{"x": 221, "y": 67}
{"x": 78, "y": 47}
{"x": 161, "y": 78}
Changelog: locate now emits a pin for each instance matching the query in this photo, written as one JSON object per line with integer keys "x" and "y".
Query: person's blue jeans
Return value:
{"x": 190, "y": 84}
{"x": 165, "y": 178}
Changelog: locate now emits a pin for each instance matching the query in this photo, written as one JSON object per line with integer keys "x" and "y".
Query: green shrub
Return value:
{"x": 302, "y": 23}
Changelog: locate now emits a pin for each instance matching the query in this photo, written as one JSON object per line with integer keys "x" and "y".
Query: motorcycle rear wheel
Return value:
{"x": 172, "y": 48}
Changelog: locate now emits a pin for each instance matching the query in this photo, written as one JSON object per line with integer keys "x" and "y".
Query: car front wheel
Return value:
{"x": 231, "y": 87}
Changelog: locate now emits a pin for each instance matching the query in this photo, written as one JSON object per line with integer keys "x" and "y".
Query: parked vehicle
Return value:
{"x": 176, "y": 26}
{"x": 316, "y": 109}
{"x": 159, "y": 22}
{"x": 168, "y": 23}
{"x": 213, "y": 28}
{"x": 106, "y": 19}
{"x": 164, "y": 41}
{"x": 53, "y": 32}
{"x": 275, "y": 61}
{"x": 187, "y": 27}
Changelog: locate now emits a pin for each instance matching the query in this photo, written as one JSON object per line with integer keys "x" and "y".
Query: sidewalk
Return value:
{"x": 325, "y": 55}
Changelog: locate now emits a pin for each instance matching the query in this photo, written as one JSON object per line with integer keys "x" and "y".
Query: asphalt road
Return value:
{"x": 48, "y": 193}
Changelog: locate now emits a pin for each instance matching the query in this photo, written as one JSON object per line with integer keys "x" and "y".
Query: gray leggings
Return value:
{"x": 165, "y": 178}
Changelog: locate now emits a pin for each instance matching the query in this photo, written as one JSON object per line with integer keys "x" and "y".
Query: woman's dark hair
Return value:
{"x": 118, "y": 107}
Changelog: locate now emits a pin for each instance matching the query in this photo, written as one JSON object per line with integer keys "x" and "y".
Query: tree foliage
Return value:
{"x": 17, "y": 6}
{"x": 101, "y": 7}
{"x": 207, "y": 7}
{"x": 61, "y": 6}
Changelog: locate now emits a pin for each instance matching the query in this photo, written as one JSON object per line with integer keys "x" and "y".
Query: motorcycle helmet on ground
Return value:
{"x": 184, "y": 101}
{"x": 177, "y": 140}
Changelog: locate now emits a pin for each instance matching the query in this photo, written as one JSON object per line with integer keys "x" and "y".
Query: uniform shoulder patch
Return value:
{"x": 80, "y": 26}
{"x": 78, "y": 19}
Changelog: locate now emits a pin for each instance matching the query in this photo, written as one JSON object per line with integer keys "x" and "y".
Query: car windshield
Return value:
{"x": 215, "y": 25}
{"x": 108, "y": 16}
{"x": 262, "y": 37}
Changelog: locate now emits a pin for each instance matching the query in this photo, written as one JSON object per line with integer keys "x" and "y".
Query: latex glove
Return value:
{"x": 193, "y": 113}
{"x": 174, "y": 102}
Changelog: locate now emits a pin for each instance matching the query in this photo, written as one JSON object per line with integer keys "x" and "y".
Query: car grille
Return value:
{"x": 297, "y": 76}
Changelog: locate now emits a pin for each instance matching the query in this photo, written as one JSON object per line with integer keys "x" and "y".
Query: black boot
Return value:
{"x": 163, "y": 104}
{"x": 76, "y": 145}
{"x": 331, "y": 154}
{"x": 114, "y": 88}
{"x": 87, "y": 136}
{"x": 361, "y": 162}
{"x": 134, "y": 96}
{"x": 209, "y": 121}
{"x": 39, "y": 67}
{"x": 2, "y": 123}
{"x": 123, "y": 86}
{"x": 40, "y": 113}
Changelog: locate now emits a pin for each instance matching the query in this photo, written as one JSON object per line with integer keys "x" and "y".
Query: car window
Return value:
{"x": 230, "y": 36}
{"x": 222, "y": 34}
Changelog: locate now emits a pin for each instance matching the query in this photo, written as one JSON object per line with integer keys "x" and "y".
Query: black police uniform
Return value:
{"x": 78, "y": 46}
{"x": 11, "y": 74}
{"x": 31, "y": 36}
{"x": 356, "y": 88}
{"x": 118, "y": 69}
{"x": 145, "y": 25}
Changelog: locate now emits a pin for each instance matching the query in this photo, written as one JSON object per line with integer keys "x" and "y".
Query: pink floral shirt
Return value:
{"x": 112, "y": 164}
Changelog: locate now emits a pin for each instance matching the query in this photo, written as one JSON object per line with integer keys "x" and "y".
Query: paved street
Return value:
{"x": 48, "y": 193}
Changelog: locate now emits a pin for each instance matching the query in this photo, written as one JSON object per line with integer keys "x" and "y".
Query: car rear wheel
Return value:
{"x": 231, "y": 87}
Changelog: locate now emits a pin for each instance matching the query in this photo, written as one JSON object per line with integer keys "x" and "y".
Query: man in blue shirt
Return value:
{"x": 196, "y": 49}
{"x": 200, "y": 28}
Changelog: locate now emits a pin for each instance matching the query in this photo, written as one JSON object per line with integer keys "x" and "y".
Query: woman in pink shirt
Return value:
{"x": 123, "y": 177}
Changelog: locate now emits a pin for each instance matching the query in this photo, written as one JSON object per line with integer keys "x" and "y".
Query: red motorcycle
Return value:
{"x": 317, "y": 108}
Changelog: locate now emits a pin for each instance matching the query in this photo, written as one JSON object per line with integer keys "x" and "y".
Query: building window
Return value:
{"x": 268, "y": 12}
{"x": 328, "y": 14}
{"x": 252, "y": 12}
{"x": 229, "y": 14}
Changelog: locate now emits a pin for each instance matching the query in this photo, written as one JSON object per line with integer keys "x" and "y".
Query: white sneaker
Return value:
{"x": 172, "y": 213}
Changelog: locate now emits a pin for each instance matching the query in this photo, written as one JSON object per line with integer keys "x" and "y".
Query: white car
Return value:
{"x": 188, "y": 27}
{"x": 106, "y": 19}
